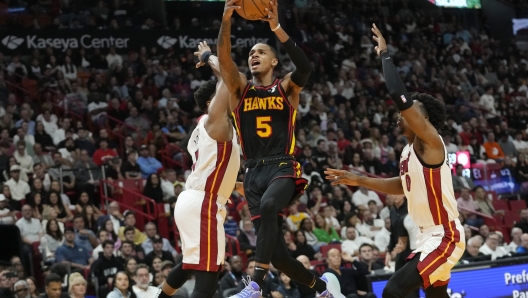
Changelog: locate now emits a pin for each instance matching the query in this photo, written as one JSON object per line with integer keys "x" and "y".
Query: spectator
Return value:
{"x": 366, "y": 257}
{"x": 87, "y": 174}
{"x": 6, "y": 285}
{"x": 51, "y": 241}
{"x": 83, "y": 237}
{"x": 307, "y": 227}
{"x": 157, "y": 251}
{"x": 41, "y": 137}
{"x": 307, "y": 292}
{"x": 350, "y": 279}
{"x": 106, "y": 267}
{"x": 352, "y": 243}
{"x": 248, "y": 238}
{"x": 151, "y": 232}
{"x": 130, "y": 169}
{"x": 523, "y": 248}
{"x": 41, "y": 158}
{"x": 460, "y": 182}
{"x": 97, "y": 109}
{"x": 523, "y": 223}
{"x": 114, "y": 215}
{"x": 324, "y": 232}
{"x": 138, "y": 250}
{"x": 230, "y": 281}
{"x": 142, "y": 288}
{"x": 83, "y": 201}
{"x": 508, "y": 148}
{"x": 168, "y": 178}
{"x": 491, "y": 247}
{"x": 72, "y": 254}
{"x": 21, "y": 288}
{"x": 295, "y": 217}
{"x": 483, "y": 203}
{"x": 363, "y": 195}
{"x": 22, "y": 157}
{"x": 19, "y": 188}
{"x": 493, "y": 149}
{"x": 484, "y": 231}
{"x": 469, "y": 208}
{"x": 48, "y": 121}
{"x": 104, "y": 153}
{"x": 102, "y": 236}
{"x": 473, "y": 252}
{"x": 370, "y": 227}
{"x": 137, "y": 125}
{"x": 382, "y": 239}
{"x": 147, "y": 164}
{"x": 77, "y": 286}
{"x": 64, "y": 213}
{"x": 153, "y": 188}
{"x": 287, "y": 288}
{"x": 60, "y": 134}
{"x": 84, "y": 141}
{"x": 30, "y": 227}
{"x": 130, "y": 221}
{"x": 53, "y": 289}
{"x": 126, "y": 251}
{"x": 62, "y": 171}
{"x": 121, "y": 286}
{"x": 32, "y": 283}
{"x": 7, "y": 215}
{"x": 516, "y": 234}
{"x": 303, "y": 248}
{"x": 113, "y": 59}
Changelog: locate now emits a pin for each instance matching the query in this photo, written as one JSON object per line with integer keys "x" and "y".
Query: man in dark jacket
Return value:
{"x": 157, "y": 251}
{"x": 352, "y": 280}
{"x": 233, "y": 278}
{"x": 106, "y": 267}
{"x": 248, "y": 238}
{"x": 53, "y": 288}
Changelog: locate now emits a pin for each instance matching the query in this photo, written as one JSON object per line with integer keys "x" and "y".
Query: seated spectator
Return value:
{"x": 102, "y": 236}
{"x": 230, "y": 281}
{"x": 88, "y": 215}
{"x": 53, "y": 287}
{"x": 168, "y": 178}
{"x": 382, "y": 239}
{"x": 48, "y": 214}
{"x": 19, "y": 188}
{"x": 72, "y": 254}
{"x": 295, "y": 217}
{"x": 248, "y": 238}
{"x": 130, "y": 221}
{"x": 130, "y": 169}
{"x": 350, "y": 279}
{"x": 30, "y": 227}
{"x": 83, "y": 237}
{"x": 317, "y": 202}
{"x": 308, "y": 228}
{"x": 231, "y": 226}
{"x": 366, "y": 257}
{"x": 324, "y": 231}
{"x": 460, "y": 182}
{"x": 126, "y": 251}
{"x": 52, "y": 240}
{"x": 351, "y": 220}
{"x": 35, "y": 199}
{"x": 142, "y": 289}
{"x": 516, "y": 234}
{"x": 32, "y": 283}
{"x": 83, "y": 201}
{"x": 23, "y": 158}
{"x": 60, "y": 134}
{"x": 121, "y": 286}
{"x": 523, "y": 223}
{"x": 6, "y": 285}
{"x": 523, "y": 248}
{"x": 151, "y": 231}
{"x": 508, "y": 148}
{"x": 156, "y": 266}
{"x": 484, "y": 231}
{"x": 491, "y": 247}
{"x": 97, "y": 109}
{"x": 138, "y": 250}
{"x": 370, "y": 227}
{"x": 363, "y": 195}
{"x": 521, "y": 171}
{"x": 106, "y": 267}
{"x": 153, "y": 189}
{"x": 87, "y": 174}
{"x": 62, "y": 171}
{"x": 469, "y": 207}
{"x": 11, "y": 161}
{"x": 64, "y": 214}
{"x": 328, "y": 213}
{"x": 147, "y": 164}
{"x": 286, "y": 287}
{"x": 303, "y": 248}
{"x": 68, "y": 150}
{"x": 21, "y": 288}
{"x": 85, "y": 141}
{"x": 43, "y": 138}
{"x": 56, "y": 187}
{"x": 77, "y": 286}
{"x": 41, "y": 158}
{"x": 7, "y": 215}
{"x": 104, "y": 153}
{"x": 473, "y": 252}
{"x": 493, "y": 149}
{"x": 114, "y": 215}
{"x": 130, "y": 265}
{"x": 45, "y": 180}
{"x": 352, "y": 243}
{"x": 139, "y": 123}
{"x": 374, "y": 210}
{"x": 157, "y": 251}
{"x": 483, "y": 203}
{"x": 306, "y": 291}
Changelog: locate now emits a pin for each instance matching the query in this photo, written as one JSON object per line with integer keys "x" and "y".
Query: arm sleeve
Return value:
{"x": 395, "y": 85}
{"x": 303, "y": 69}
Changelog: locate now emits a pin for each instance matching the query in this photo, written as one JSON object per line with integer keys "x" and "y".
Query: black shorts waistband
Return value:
{"x": 253, "y": 163}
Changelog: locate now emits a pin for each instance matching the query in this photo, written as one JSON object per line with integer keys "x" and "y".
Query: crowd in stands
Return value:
{"x": 52, "y": 162}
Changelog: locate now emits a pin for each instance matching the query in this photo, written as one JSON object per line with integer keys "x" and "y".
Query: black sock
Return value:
{"x": 162, "y": 294}
{"x": 259, "y": 274}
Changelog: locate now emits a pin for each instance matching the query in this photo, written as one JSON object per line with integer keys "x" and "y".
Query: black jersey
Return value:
{"x": 265, "y": 121}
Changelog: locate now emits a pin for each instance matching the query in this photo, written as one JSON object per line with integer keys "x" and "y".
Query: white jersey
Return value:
{"x": 215, "y": 164}
{"x": 429, "y": 191}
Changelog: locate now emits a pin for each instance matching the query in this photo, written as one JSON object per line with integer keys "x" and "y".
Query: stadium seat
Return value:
{"x": 325, "y": 248}
{"x": 500, "y": 205}
{"x": 163, "y": 222}
{"x": 517, "y": 205}
{"x": 511, "y": 217}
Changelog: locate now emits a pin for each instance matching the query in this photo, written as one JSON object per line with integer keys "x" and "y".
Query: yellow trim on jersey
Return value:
{"x": 445, "y": 250}
{"x": 434, "y": 194}
{"x": 236, "y": 124}
{"x": 209, "y": 210}
{"x": 292, "y": 147}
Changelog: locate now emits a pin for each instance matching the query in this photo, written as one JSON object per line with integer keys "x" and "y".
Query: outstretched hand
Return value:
{"x": 202, "y": 48}
{"x": 230, "y": 7}
{"x": 378, "y": 37}
{"x": 273, "y": 14}
{"x": 341, "y": 177}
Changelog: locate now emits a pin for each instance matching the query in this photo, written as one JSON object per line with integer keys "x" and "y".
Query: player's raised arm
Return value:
{"x": 298, "y": 78}
{"x": 234, "y": 80}
{"x": 392, "y": 186}
{"x": 425, "y": 131}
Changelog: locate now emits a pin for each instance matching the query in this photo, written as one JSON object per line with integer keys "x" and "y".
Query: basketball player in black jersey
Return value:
{"x": 264, "y": 109}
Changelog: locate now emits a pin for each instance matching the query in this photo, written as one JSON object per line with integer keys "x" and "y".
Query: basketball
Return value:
{"x": 253, "y": 9}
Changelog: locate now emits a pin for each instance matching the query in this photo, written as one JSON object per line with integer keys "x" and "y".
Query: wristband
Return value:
{"x": 276, "y": 28}
{"x": 205, "y": 57}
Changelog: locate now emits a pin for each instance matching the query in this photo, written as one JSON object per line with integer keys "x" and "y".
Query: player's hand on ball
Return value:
{"x": 378, "y": 37}
{"x": 341, "y": 177}
{"x": 230, "y": 7}
{"x": 202, "y": 48}
{"x": 273, "y": 15}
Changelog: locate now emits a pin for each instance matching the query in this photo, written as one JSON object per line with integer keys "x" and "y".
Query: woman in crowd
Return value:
{"x": 121, "y": 287}
{"x": 287, "y": 288}
{"x": 159, "y": 278}
{"x": 77, "y": 286}
{"x": 130, "y": 267}
{"x": 43, "y": 138}
{"x": 156, "y": 266}
{"x": 303, "y": 248}
{"x": 153, "y": 188}
{"x": 90, "y": 221}
{"x": 32, "y": 283}
{"x": 83, "y": 201}
{"x": 324, "y": 231}
{"x": 351, "y": 220}
{"x": 37, "y": 204}
{"x": 49, "y": 213}
{"x": 37, "y": 187}
{"x": 347, "y": 209}
{"x": 63, "y": 214}
{"x": 108, "y": 226}
{"x": 521, "y": 171}
{"x": 484, "y": 205}
{"x": 55, "y": 186}
{"x": 307, "y": 227}
{"x": 51, "y": 240}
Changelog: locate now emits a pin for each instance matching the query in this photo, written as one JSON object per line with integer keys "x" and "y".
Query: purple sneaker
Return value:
{"x": 252, "y": 290}
{"x": 333, "y": 288}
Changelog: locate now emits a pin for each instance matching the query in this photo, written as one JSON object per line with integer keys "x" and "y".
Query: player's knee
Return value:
{"x": 391, "y": 291}
{"x": 268, "y": 207}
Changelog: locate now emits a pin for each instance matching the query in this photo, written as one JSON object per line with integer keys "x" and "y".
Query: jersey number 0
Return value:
{"x": 263, "y": 128}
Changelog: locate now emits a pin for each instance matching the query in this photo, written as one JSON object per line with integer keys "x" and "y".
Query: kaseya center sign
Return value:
{"x": 25, "y": 41}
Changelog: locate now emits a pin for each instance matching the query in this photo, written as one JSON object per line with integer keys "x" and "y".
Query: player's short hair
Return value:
{"x": 432, "y": 108}
{"x": 204, "y": 94}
